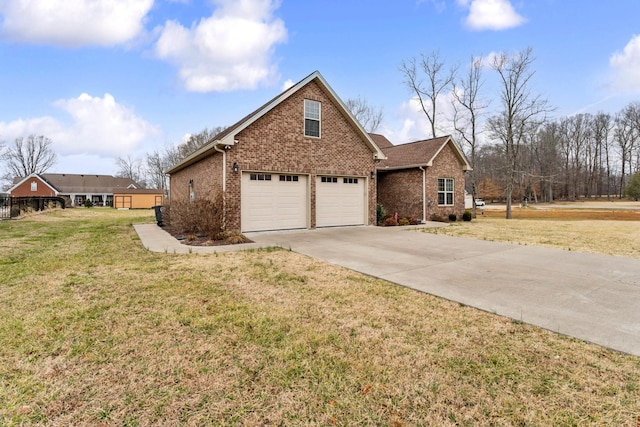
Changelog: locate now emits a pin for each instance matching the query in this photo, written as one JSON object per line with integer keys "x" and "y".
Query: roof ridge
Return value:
{"x": 418, "y": 141}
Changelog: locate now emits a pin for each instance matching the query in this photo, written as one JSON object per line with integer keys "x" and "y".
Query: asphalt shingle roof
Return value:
{"x": 85, "y": 183}
{"x": 418, "y": 153}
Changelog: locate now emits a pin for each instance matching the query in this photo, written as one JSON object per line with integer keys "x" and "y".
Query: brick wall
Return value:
{"x": 276, "y": 143}
{"x": 446, "y": 165}
{"x": 401, "y": 190}
{"x": 206, "y": 176}
{"x": 24, "y": 189}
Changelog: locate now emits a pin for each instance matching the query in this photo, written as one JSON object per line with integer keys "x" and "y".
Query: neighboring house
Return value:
{"x": 76, "y": 188}
{"x": 422, "y": 178}
{"x": 300, "y": 161}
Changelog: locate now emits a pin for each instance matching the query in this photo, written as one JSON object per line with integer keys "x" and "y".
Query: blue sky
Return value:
{"x": 116, "y": 78}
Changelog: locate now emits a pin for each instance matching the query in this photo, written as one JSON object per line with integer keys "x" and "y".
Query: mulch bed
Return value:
{"x": 204, "y": 239}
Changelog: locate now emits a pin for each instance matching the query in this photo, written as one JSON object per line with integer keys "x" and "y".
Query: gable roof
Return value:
{"x": 226, "y": 137}
{"x": 381, "y": 140}
{"x": 420, "y": 153}
{"x": 18, "y": 181}
{"x": 66, "y": 183}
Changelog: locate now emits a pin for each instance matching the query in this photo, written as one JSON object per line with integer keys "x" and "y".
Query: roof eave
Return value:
{"x": 394, "y": 168}
{"x": 229, "y": 138}
{"x": 196, "y": 156}
{"x": 26, "y": 178}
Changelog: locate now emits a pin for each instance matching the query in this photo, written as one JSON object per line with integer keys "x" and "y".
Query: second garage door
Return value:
{"x": 340, "y": 201}
{"x": 273, "y": 201}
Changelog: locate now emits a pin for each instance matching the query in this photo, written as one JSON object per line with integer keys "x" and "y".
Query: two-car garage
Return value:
{"x": 280, "y": 201}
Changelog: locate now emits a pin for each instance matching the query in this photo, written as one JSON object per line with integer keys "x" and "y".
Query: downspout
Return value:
{"x": 224, "y": 168}
{"x": 424, "y": 193}
{"x": 224, "y": 185}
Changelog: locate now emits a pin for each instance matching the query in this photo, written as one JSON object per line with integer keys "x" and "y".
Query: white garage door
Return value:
{"x": 340, "y": 201}
{"x": 273, "y": 201}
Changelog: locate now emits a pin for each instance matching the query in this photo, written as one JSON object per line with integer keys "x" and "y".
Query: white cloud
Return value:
{"x": 232, "y": 49}
{"x": 102, "y": 126}
{"x": 491, "y": 15}
{"x": 99, "y": 127}
{"x": 626, "y": 66}
{"x": 287, "y": 84}
{"x": 414, "y": 125}
{"x": 489, "y": 60}
{"x": 73, "y": 23}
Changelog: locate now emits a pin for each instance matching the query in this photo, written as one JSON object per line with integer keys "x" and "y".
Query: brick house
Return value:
{"x": 300, "y": 161}
{"x": 422, "y": 178}
{"x": 77, "y": 188}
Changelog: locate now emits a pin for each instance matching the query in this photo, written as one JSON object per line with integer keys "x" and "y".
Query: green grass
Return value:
{"x": 96, "y": 330}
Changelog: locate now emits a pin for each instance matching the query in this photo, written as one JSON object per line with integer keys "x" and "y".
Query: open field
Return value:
{"x": 96, "y": 330}
{"x": 606, "y": 228}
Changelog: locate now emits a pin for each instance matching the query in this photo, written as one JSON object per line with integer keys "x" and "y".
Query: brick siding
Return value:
{"x": 446, "y": 165}
{"x": 207, "y": 180}
{"x": 401, "y": 190}
{"x": 276, "y": 143}
{"x": 24, "y": 189}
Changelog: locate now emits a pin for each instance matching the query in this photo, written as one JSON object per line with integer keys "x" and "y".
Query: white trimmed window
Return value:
{"x": 311, "y": 118}
{"x": 34, "y": 186}
{"x": 445, "y": 191}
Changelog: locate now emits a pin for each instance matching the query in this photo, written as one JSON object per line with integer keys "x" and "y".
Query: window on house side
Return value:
{"x": 192, "y": 192}
{"x": 311, "y": 118}
{"x": 34, "y": 186}
{"x": 445, "y": 191}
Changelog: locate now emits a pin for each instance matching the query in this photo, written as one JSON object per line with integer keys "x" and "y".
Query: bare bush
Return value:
{"x": 202, "y": 216}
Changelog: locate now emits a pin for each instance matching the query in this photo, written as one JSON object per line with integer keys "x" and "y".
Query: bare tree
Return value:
{"x": 152, "y": 170}
{"x": 546, "y": 155}
{"x": 131, "y": 168}
{"x": 522, "y": 112}
{"x": 625, "y": 135}
{"x": 157, "y": 163}
{"x": 601, "y": 129}
{"x": 196, "y": 141}
{"x": 33, "y": 154}
{"x": 578, "y": 133}
{"x": 468, "y": 109}
{"x": 369, "y": 117}
{"x": 432, "y": 69}
{"x": 633, "y": 115}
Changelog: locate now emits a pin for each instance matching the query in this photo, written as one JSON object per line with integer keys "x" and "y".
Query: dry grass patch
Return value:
{"x": 98, "y": 331}
{"x": 604, "y": 232}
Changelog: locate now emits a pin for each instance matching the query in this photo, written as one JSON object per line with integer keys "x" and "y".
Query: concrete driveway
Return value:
{"x": 592, "y": 297}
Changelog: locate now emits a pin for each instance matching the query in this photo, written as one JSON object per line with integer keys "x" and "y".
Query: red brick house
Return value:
{"x": 76, "y": 188}
{"x": 300, "y": 161}
{"x": 422, "y": 178}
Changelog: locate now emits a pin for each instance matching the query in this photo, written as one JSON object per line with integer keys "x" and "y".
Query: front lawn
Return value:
{"x": 95, "y": 330}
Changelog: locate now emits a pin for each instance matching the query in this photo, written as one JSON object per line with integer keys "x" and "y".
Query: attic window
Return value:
{"x": 34, "y": 186}
{"x": 311, "y": 118}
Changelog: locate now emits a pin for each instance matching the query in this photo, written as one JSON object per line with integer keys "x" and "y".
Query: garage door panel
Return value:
{"x": 340, "y": 201}
{"x": 273, "y": 204}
